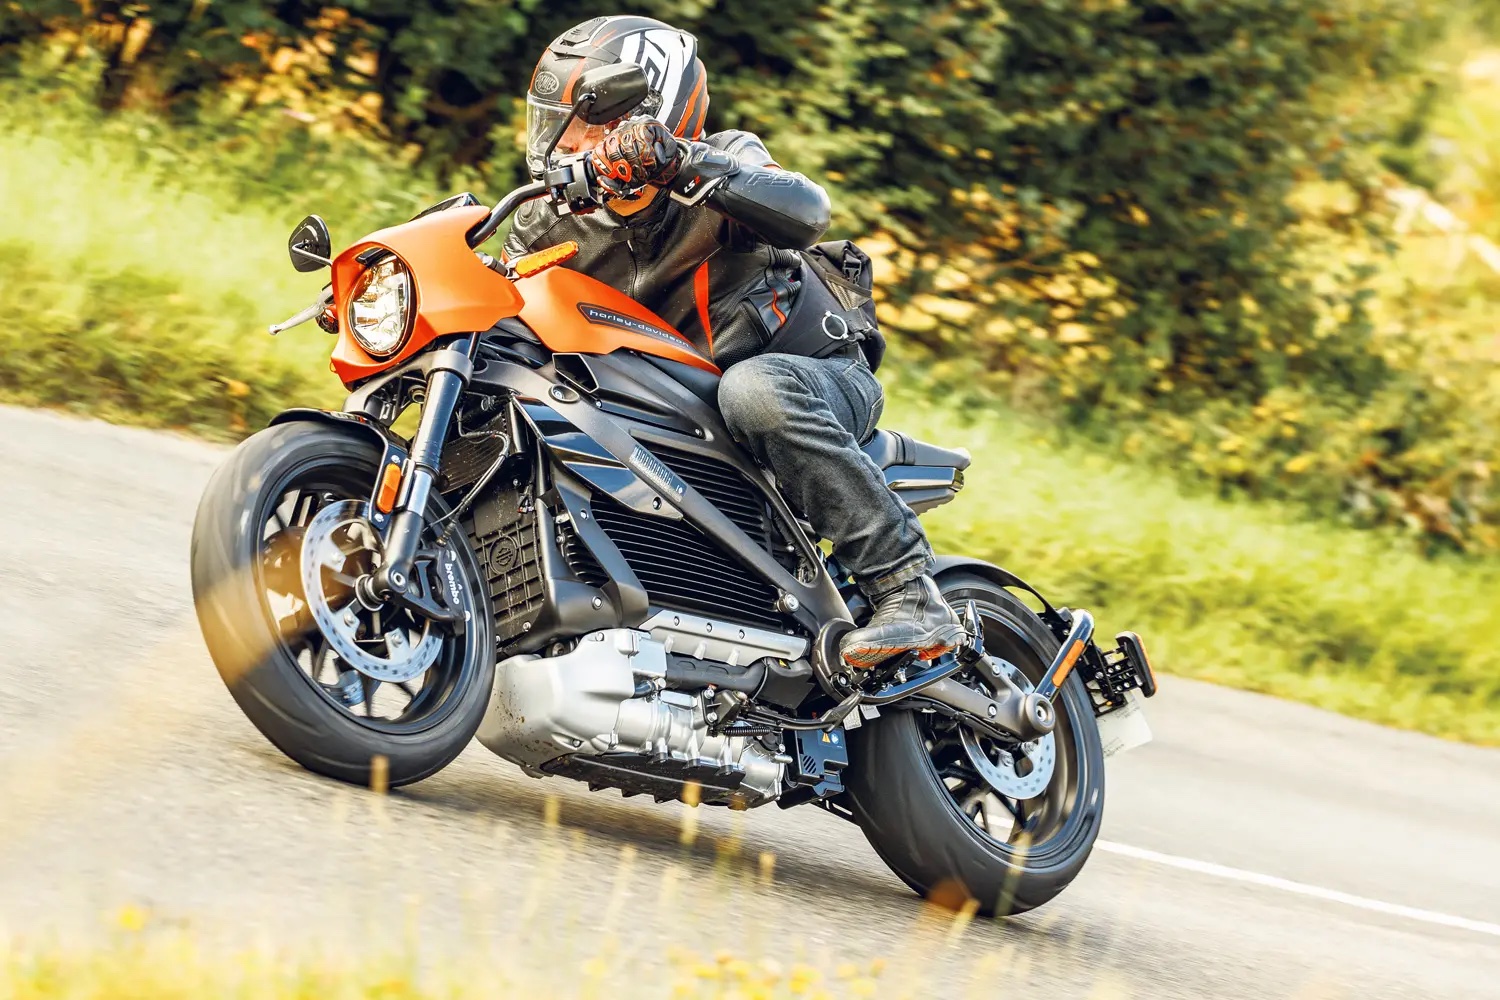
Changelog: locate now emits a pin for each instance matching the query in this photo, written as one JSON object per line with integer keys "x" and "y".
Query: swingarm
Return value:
{"x": 1011, "y": 713}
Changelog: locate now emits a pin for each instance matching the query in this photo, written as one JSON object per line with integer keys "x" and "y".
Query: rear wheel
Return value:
{"x": 959, "y": 816}
{"x": 278, "y": 543}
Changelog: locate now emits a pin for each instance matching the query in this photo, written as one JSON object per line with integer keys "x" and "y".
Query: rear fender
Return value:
{"x": 948, "y": 566}
{"x": 393, "y": 447}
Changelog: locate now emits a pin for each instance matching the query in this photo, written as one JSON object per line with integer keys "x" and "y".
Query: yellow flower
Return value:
{"x": 132, "y": 918}
{"x": 1300, "y": 463}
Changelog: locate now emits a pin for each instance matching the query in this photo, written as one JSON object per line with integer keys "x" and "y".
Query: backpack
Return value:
{"x": 835, "y": 311}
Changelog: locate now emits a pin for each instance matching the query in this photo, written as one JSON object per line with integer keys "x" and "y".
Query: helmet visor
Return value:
{"x": 543, "y": 122}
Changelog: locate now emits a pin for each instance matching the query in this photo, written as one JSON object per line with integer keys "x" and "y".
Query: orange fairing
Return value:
{"x": 455, "y": 293}
{"x": 572, "y": 312}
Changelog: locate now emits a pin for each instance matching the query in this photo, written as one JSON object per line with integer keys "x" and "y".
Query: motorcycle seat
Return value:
{"x": 887, "y": 448}
{"x": 890, "y": 448}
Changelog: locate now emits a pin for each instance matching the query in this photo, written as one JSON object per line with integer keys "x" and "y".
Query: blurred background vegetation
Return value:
{"x": 1228, "y": 258}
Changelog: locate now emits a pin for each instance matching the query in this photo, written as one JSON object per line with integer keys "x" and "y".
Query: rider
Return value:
{"x": 705, "y": 232}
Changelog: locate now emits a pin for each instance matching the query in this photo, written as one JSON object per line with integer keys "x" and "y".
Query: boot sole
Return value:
{"x": 936, "y": 643}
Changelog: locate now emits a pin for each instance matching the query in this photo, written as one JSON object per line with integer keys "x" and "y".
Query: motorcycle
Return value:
{"x": 571, "y": 559}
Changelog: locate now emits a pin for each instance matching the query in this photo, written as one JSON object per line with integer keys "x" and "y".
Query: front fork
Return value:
{"x": 447, "y": 379}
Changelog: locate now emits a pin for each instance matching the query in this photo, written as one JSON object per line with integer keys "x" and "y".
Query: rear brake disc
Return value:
{"x": 1021, "y": 772}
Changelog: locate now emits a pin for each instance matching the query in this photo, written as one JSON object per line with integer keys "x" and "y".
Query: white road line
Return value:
{"x": 1299, "y": 888}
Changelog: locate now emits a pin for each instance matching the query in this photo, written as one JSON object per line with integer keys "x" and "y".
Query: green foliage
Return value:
{"x": 1099, "y": 206}
{"x": 138, "y": 287}
{"x": 136, "y": 284}
{"x": 1452, "y": 143}
{"x": 1232, "y": 593}
{"x": 133, "y": 346}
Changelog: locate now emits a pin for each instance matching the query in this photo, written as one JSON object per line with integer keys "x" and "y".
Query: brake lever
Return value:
{"x": 575, "y": 187}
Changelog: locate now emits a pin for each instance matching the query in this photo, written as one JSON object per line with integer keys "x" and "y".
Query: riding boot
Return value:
{"x": 912, "y": 618}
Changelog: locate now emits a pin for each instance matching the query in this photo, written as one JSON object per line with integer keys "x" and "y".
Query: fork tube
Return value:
{"x": 446, "y": 380}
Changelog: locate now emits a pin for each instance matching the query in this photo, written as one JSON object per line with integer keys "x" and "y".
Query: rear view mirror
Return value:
{"x": 610, "y": 93}
{"x": 310, "y": 246}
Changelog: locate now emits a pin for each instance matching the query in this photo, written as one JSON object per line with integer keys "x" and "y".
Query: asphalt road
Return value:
{"x": 1255, "y": 849}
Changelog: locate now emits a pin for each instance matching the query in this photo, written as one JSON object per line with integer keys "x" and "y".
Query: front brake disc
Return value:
{"x": 334, "y": 537}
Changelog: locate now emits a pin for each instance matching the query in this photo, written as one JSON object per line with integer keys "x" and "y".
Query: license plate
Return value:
{"x": 1125, "y": 728}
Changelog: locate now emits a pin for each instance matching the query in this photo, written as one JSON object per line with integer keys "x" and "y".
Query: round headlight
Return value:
{"x": 380, "y": 307}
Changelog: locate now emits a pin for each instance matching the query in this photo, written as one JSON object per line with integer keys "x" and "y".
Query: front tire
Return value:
{"x": 275, "y": 667}
{"x": 924, "y": 824}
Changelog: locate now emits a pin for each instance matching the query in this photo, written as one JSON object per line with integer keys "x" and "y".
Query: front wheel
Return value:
{"x": 278, "y": 542}
{"x": 958, "y": 816}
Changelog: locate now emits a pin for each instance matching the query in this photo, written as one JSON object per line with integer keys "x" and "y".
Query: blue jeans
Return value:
{"x": 804, "y": 419}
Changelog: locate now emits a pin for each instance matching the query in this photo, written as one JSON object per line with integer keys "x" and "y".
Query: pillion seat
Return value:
{"x": 891, "y": 448}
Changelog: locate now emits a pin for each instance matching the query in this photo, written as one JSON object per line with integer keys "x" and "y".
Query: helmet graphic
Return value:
{"x": 669, "y": 57}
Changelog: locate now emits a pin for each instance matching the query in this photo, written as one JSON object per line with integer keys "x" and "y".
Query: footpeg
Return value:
{"x": 1133, "y": 654}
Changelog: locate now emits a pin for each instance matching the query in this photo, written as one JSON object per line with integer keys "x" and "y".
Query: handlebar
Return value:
{"x": 571, "y": 184}
{"x": 503, "y": 208}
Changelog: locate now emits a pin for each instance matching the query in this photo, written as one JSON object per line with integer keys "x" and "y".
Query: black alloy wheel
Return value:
{"x": 331, "y": 682}
{"x": 407, "y": 705}
{"x": 957, "y": 815}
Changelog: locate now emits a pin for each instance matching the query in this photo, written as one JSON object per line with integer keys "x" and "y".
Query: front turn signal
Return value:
{"x": 536, "y": 263}
{"x": 390, "y": 484}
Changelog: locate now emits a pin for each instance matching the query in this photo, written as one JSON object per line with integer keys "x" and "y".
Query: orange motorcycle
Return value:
{"x": 572, "y": 559}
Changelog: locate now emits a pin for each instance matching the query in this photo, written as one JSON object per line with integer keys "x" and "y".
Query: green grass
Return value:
{"x": 129, "y": 296}
{"x": 138, "y": 287}
{"x": 1241, "y": 594}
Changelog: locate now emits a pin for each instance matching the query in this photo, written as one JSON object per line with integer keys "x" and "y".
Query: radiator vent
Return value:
{"x": 469, "y": 455}
{"x": 683, "y": 570}
{"x": 578, "y": 557}
{"x": 723, "y": 486}
{"x": 679, "y": 566}
{"x": 504, "y": 536}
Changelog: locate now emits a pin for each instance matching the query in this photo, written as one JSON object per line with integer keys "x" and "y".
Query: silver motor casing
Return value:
{"x": 606, "y": 696}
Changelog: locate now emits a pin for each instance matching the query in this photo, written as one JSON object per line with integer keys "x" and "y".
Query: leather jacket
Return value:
{"x": 716, "y": 259}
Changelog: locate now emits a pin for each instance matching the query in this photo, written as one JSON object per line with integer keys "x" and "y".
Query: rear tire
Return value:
{"x": 915, "y": 823}
{"x": 290, "y": 708}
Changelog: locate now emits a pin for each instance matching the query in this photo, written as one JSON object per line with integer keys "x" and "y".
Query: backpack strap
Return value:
{"x": 850, "y": 295}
